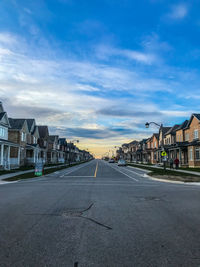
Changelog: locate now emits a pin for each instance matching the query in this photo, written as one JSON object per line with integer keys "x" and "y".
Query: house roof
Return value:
{"x": 2, "y": 114}
{"x": 156, "y": 135}
{"x": 197, "y": 115}
{"x": 193, "y": 115}
{"x": 52, "y": 138}
{"x": 30, "y": 123}
{"x": 183, "y": 125}
{"x": 143, "y": 141}
{"x": 62, "y": 141}
{"x": 173, "y": 129}
{"x": 16, "y": 123}
{"x": 165, "y": 129}
{"x": 126, "y": 145}
{"x": 43, "y": 131}
{"x": 133, "y": 142}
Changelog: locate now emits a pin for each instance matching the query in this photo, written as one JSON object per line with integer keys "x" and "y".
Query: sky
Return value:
{"x": 98, "y": 70}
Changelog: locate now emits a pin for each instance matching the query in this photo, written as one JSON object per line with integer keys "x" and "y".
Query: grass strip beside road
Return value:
{"x": 168, "y": 174}
{"x": 32, "y": 174}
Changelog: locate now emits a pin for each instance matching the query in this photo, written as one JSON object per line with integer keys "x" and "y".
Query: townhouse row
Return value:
{"x": 23, "y": 143}
{"x": 179, "y": 141}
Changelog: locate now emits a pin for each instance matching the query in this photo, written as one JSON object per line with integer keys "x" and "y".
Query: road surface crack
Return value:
{"x": 73, "y": 213}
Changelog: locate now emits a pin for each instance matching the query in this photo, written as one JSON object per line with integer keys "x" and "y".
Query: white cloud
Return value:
{"x": 104, "y": 52}
{"x": 67, "y": 91}
{"x": 179, "y": 11}
{"x": 6, "y": 38}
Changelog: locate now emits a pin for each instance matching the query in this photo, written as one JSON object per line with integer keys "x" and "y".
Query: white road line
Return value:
{"x": 79, "y": 176}
{"x": 142, "y": 175}
{"x": 74, "y": 170}
{"x": 124, "y": 174}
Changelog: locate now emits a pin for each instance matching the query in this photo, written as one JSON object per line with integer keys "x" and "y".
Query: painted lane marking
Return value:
{"x": 95, "y": 174}
{"x": 124, "y": 174}
{"x": 142, "y": 175}
{"x": 74, "y": 170}
{"x": 80, "y": 176}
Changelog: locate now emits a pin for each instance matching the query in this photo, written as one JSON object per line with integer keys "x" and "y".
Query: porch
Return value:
{"x": 7, "y": 160}
{"x": 32, "y": 154}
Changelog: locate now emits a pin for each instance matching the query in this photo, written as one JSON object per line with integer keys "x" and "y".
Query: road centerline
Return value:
{"x": 95, "y": 173}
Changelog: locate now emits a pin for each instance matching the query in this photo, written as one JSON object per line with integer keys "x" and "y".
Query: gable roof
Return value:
{"x": 2, "y": 114}
{"x": 4, "y": 119}
{"x": 16, "y": 124}
{"x": 164, "y": 129}
{"x": 30, "y": 123}
{"x": 173, "y": 129}
{"x": 53, "y": 138}
{"x": 126, "y": 145}
{"x": 134, "y": 142}
{"x": 156, "y": 135}
{"x": 43, "y": 131}
{"x": 62, "y": 141}
{"x": 183, "y": 125}
{"x": 197, "y": 115}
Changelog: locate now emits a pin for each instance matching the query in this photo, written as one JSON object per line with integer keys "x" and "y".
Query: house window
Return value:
{"x": 155, "y": 144}
{"x": 2, "y": 132}
{"x": 23, "y": 137}
{"x": 197, "y": 153}
{"x": 191, "y": 154}
{"x": 196, "y": 134}
{"x": 187, "y": 137}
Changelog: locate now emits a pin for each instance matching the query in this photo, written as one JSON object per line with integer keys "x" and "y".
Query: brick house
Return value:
{"x": 149, "y": 149}
{"x": 132, "y": 150}
{"x": 43, "y": 142}
{"x": 192, "y": 136}
{"x": 142, "y": 151}
{"x": 63, "y": 148}
{"x": 17, "y": 134}
{"x": 52, "y": 153}
{"x": 5, "y": 145}
{"x": 181, "y": 146}
{"x": 170, "y": 144}
{"x": 152, "y": 149}
{"x": 32, "y": 148}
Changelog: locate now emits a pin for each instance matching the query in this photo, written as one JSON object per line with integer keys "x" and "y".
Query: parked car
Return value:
{"x": 121, "y": 162}
{"x": 111, "y": 161}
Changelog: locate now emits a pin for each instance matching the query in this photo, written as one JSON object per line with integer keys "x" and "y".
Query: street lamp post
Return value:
{"x": 152, "y": 122}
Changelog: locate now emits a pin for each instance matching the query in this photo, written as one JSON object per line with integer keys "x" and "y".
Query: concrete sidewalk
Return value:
{"x": 158, "y": 167}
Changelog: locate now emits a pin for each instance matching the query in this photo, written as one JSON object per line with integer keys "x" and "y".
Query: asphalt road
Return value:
{"x": 99, "y": 214}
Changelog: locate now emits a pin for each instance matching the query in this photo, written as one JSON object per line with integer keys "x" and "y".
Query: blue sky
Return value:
{"x": 98, "y": 70}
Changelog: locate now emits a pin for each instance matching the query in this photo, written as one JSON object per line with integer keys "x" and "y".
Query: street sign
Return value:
{"x": 39, "y": 169}
{"x": 164, "y": 154}
{"x": 165, "y": 158}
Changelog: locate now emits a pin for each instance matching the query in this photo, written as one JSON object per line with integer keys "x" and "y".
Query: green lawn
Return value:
{"x": 2, "y": 172}
{"x": 32, "y": 174}
{"x": 168, "y": 174}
